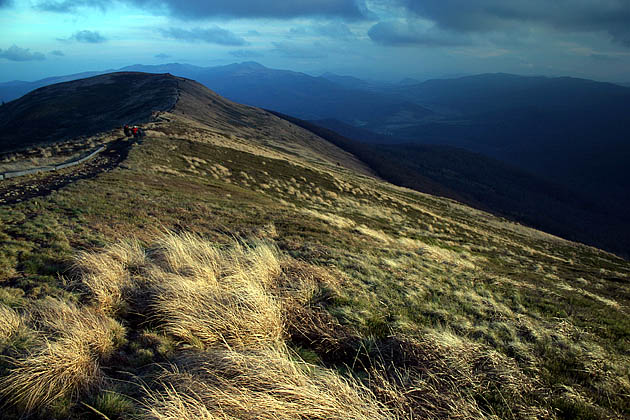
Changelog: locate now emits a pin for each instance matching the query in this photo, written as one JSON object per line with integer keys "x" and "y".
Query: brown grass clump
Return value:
{"x": 229, "y": 303}
{"x": 82, "y": 325}
{"x": 56, "y": 370}
{"x": 171, "y": 404}
{"x": 67, "y": 361}
{"x": 198, "y": 292}
{"x": 10, "y": 322}
{"x": 443, "y": 377}
{"x": 194, "y": 310}
{"x": 204, "y": 295}
{"x": 263, "y": 384}
{"x": 107, "y": 275}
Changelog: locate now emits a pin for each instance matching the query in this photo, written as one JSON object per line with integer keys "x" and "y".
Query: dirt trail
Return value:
{"x": 15, "y": 190}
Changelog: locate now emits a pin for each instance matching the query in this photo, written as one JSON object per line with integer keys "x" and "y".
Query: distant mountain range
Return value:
{"x": 571, "y": 131}
{"x": 281, "y": 90}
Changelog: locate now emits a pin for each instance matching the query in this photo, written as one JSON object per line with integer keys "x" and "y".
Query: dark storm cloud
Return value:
{"x": 611, "y": 16}
{"x": 194, "y": 9}
{"x": 213, "y": 35}
{"x": 15, "y": 53}
{"x": 396, "y": 33}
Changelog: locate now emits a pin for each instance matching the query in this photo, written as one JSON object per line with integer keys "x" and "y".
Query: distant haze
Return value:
{"x": 371, "y": 39}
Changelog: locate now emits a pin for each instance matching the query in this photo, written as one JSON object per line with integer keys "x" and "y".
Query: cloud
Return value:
{"x": 212, "y": 35}
{"x": 352, "y": 9}
{"x": 246, "y": 53}
{"x": 611, "y": 16}
{"x": 58, "y": 53}
{"x": 162, "y": 56}
{"x": 15, "y": 53}
{"x": 398, "y": 33}
{"x": 88, "y": 37}
{"x": 334, "y": 30}
{"x": 201, "y": 9}
{"x": 5, "y": 3}
{"x": 604, "y": 58}
{"x": 290, "y": 50}
{"x": 70, "y": 6}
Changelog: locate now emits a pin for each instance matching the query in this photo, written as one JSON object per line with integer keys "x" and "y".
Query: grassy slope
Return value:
{"x": 486, "y": 184}
{"x": 416, "y": 268}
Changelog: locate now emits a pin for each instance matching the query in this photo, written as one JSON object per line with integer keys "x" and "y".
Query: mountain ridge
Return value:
{"x": 137, "y": 99}
{"x": 232, "y": 257}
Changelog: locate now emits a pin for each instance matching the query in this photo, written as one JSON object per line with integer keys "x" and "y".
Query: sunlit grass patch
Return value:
{"x": 10, "y": 322}
{"x": 264, "y": 384}
{"x": 65, "y": 361}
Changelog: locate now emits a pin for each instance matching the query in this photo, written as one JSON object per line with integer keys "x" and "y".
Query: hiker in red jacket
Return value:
{"x": 136, "y": 131}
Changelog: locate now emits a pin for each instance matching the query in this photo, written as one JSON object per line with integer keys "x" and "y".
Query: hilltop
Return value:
{"x": 83, "y": 108}
{"x": 235, "y": 265}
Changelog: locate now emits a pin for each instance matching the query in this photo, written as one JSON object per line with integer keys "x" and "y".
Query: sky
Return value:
{"x": 385, "y": 40}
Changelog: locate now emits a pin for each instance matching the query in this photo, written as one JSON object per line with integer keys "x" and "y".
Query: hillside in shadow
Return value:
{"x": 483, "y": 183}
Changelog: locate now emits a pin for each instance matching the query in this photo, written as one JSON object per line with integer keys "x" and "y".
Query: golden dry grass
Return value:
{"x": 262, "y": 384}
{"x": 229, "y": 304}
{"x": 199, "y": 293}
{"x": 72, "y": 342}
{"x": 59, "y": 369}
{"x": 207, "y": 295}
{"x": 107, "y": 275}
{"x": 10, "y": 322}
{"x": 85, "y": 325}
{"x": 195, "y": 310}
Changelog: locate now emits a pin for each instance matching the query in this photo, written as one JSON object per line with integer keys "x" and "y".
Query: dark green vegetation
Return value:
{"x": 441, "y": 310}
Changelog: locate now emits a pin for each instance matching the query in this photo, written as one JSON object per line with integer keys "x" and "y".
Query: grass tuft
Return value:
{"x": 107, "y": 276}
{"x": 208, "y": 296}
{"x": 66, "y": 361}
{"x": 262, "y": 384}
{"x": 56, "y": 370}
{"x": 10, "y": 322}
